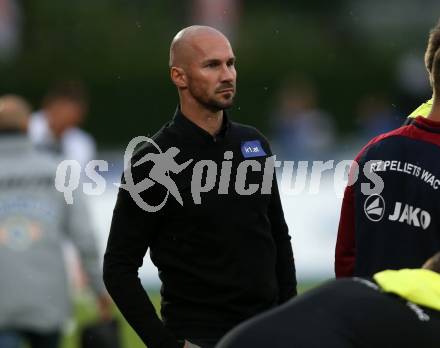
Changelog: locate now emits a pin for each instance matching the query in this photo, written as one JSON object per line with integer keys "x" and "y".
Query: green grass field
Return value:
{"x": 85, "y": 313}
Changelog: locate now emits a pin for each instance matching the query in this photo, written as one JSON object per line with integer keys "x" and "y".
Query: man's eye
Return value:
{"x": 211, "y": 65}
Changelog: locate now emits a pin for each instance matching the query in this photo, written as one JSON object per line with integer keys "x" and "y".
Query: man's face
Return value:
{"x": 211, "y": 75}
{"x": 63, "y": 114}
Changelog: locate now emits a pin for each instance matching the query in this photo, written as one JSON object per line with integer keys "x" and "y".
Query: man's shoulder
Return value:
{"x": 381, "y": 140}
{"x": 244, "y": 130}
{"x": 156, "y": 143}
{"x": 32, "y": 163}
{"x": 76, "y": 134}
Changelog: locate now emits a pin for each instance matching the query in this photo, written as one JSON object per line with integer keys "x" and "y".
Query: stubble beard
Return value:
{"x": 211, "y": 103}
{"x": 217, "y": 105}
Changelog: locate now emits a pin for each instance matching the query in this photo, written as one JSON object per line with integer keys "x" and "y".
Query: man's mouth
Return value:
{"x": 226, "y": 90}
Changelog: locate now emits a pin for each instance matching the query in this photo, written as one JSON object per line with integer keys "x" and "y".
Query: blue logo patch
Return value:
{"x": 252, "y": 148}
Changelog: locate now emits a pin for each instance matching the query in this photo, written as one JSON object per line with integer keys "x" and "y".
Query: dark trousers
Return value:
{"x": 16, "y": 339}
{"x": 340, "y": 314}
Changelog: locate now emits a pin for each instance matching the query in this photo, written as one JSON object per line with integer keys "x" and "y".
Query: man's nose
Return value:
{"x": 228, "y": 74}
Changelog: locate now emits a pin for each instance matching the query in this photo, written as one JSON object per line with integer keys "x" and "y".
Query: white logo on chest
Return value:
{"x": 411, "y": 215}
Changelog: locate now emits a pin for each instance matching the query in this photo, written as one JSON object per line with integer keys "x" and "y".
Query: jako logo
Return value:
{"x": 374, "y": 207}
{"x": 412, "y": 216}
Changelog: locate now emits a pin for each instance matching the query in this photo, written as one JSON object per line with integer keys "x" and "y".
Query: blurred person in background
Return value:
{"x": 34, "y": 222}
{"x": 223, "y": 259}
{"x": 10, "y": 29}
{"x": 423, "y": 110}
{"x": 412, "y": 82}
{"x": 398, "y": 225}
{"x": 221, "y": 14}
{"x": 56, "y": 127}
{"x": 302, "y": 130}
{"x": 393, "y": 309}
{"x": 376, "y": 116}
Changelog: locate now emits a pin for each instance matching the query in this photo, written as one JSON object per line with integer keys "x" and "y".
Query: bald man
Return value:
{"x": 223, "y": 250}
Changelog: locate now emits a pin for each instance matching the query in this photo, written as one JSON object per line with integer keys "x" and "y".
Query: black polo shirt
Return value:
{"x": 223, "y": 256}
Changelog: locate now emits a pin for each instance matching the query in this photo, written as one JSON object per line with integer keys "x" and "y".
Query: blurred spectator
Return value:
{"x": 56, "y": 127}
{"x": 34, "y": 222}
{"x": 303, "y": 130}
{"x": 10, "y": 27}
{"x": 413, "y": 84}
{"x": 376, "y": 115}
{"x": 220, "y": 14}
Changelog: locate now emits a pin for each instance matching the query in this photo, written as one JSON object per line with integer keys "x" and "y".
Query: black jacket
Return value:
{"x": 220, "y": 261}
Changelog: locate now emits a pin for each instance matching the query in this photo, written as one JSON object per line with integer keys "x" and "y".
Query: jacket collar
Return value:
{"x": 426, "y": 124}
{"x": 195, "y": 133}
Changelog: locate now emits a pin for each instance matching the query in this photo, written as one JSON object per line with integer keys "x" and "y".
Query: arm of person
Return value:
{"x": 82, "y": 235}
{"x": 345, "y": 253}
{"x": 131, "y": 234}
{"x": 285, "y": 264}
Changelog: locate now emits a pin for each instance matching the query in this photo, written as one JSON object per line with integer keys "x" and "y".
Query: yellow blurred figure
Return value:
{"x": 422, "y": 110}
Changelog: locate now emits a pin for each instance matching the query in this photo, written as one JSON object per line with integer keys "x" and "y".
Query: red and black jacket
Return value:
{"x": 398, "y": 227}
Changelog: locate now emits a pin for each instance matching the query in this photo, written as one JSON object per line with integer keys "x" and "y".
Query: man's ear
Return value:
{"x": 431, "y": 82}
{"x": 178, "y": 77}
